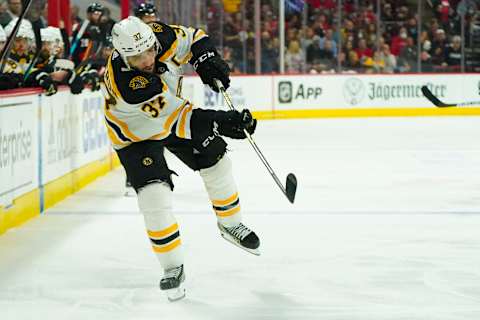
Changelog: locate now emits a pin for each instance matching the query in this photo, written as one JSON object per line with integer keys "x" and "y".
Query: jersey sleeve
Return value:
{"x": 176, "y": 41}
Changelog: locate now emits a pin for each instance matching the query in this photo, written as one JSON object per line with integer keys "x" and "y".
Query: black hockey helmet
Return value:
{"x": 144, "y": 9}
{"x": 94, "y": 7}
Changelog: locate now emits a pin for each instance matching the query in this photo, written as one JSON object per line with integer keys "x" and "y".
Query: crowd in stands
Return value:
{"x": 315, "y": 40}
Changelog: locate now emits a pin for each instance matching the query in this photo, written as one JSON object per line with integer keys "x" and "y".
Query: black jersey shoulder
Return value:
{"x": 133, "y": 86}
{"x": 165, "y": 34}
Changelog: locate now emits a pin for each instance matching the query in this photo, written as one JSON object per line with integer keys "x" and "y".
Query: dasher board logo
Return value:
{"x": 285, "y": 92}
{"x": 353, "y": 91}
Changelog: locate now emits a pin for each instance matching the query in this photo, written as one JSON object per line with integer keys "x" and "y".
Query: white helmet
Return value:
{"x": 46, "y": 35}
{"x": 51, "y": 34}
{"x": 24, "y": 31}
{"x": 56, "y": 34}
{"x": 132, "y": 36}
{"x": 3, "y": 35}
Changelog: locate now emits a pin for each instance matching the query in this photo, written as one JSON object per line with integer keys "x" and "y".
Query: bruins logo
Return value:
{"x": 147, "y": 161}
{"x": 138, "y": 82}
{"x": 156, "y": 27}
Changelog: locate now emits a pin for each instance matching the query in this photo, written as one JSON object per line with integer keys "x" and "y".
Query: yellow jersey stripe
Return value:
{"x": 169, "y": 52}
{"x": 113, "y": 137}
{"x": 227, "y": 213}
{"x": 187, "y": 58}
{"x": 167, "y": 127}
{"x": 111, "y": 78}
{"x": 163, "y": 233}
{"x": 168, "y": 247}
{"x": 227, "y": 201}
{"x": 122, "y": 125}
{"x": 183, "y": 122}
{"x": 199, "y": 34}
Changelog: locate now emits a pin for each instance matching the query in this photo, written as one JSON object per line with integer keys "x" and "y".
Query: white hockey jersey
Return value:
{"x": 142, "y": 106}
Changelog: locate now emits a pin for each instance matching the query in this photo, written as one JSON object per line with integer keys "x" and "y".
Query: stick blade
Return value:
{"x": 431, "y": 97}
{"x": 291, "y": 187}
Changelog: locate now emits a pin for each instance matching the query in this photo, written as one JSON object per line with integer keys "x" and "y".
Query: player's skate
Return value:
{"x": 172, "y": 283}
{"x": 242, "y": 237}
{"x": 129, "y": 191}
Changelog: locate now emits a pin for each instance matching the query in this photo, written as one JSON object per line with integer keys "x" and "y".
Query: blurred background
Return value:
{"x": 311, "y": 36}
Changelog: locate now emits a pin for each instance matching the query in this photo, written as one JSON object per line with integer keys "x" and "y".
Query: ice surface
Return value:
{"x": 386, "y": 225}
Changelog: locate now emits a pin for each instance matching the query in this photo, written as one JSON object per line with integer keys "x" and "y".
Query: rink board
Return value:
{"x": 348, "y": 95}
{"x": 50, "y": 147}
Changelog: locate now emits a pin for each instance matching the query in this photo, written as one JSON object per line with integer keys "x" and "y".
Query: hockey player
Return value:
{"x": 62, "y": 71}
{"x": 8, "y": 80}
{"x": 87, "y": 35}
{"x": 145, "y": 114}
{"x": 21, "y": 58}
{"x": 147, "y": 12}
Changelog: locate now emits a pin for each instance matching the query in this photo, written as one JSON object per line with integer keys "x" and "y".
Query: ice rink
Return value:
{"x": 386, "y": 225}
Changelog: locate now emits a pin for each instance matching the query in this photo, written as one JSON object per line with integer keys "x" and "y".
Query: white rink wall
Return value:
{"x": 49, "y": 148}
{"x": 270, "y": 94}
{"x": 52, "y": 146}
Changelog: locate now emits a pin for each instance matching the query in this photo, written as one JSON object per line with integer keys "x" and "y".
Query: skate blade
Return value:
{"x": 252, "y": 251}
{"x": 175, "y": 294}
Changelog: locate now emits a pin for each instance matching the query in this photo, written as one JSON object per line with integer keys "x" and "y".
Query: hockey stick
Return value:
{"x": 291, "y": 185}
{"x": 8, "y": 46}
{"x": 78, "y": 36}
{"x": 38, "y": 44}
{"x": 437, "y": 102}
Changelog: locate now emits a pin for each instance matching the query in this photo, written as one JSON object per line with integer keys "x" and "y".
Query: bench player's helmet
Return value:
{"x": 95, "y": 7}
{"x": 144, "y": 9}
{"x": 131, "y": 37}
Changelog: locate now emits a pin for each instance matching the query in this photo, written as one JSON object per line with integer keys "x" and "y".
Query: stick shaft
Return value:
{"x": 226, "y": 96}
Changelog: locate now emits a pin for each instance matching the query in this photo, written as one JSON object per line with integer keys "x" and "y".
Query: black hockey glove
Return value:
{"x": 231, "y": 123}
{"x": 205, "y": 125}
{"x": 47, "y": 83}
{"x": 74, "y": 82}
{"x": 210, "y": 66}
{"x": 92, "y": 78}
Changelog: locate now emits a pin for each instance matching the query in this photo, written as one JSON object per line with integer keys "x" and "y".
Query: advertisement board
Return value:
{"x": 19, "y": 140}
{"x": 253, "y": 92}
{"x": 370, "y": 91}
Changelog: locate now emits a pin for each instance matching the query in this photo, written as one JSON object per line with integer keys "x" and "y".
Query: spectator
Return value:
{"x": 333, "y": 43}
{"x": 362, "y": 50}
{"x": 399, "y": 41}
{"x": 269, "y": 54}
{"x": 309, "y": 38}
{"x": 439, "y": 40}
{"x": 14, "y": 10}
{"x": 326, "y": 59}
{"x": 353, "y": 62}
{"x": 453, "y": 53}
{"x": 408, "y": 57}
{"x": 412, "y": 27}
{"x": 4, "y": 16}
{"x": 390, "y": 61}
{"x": 294, "y": 58}
{"x": 314, "y": 52}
